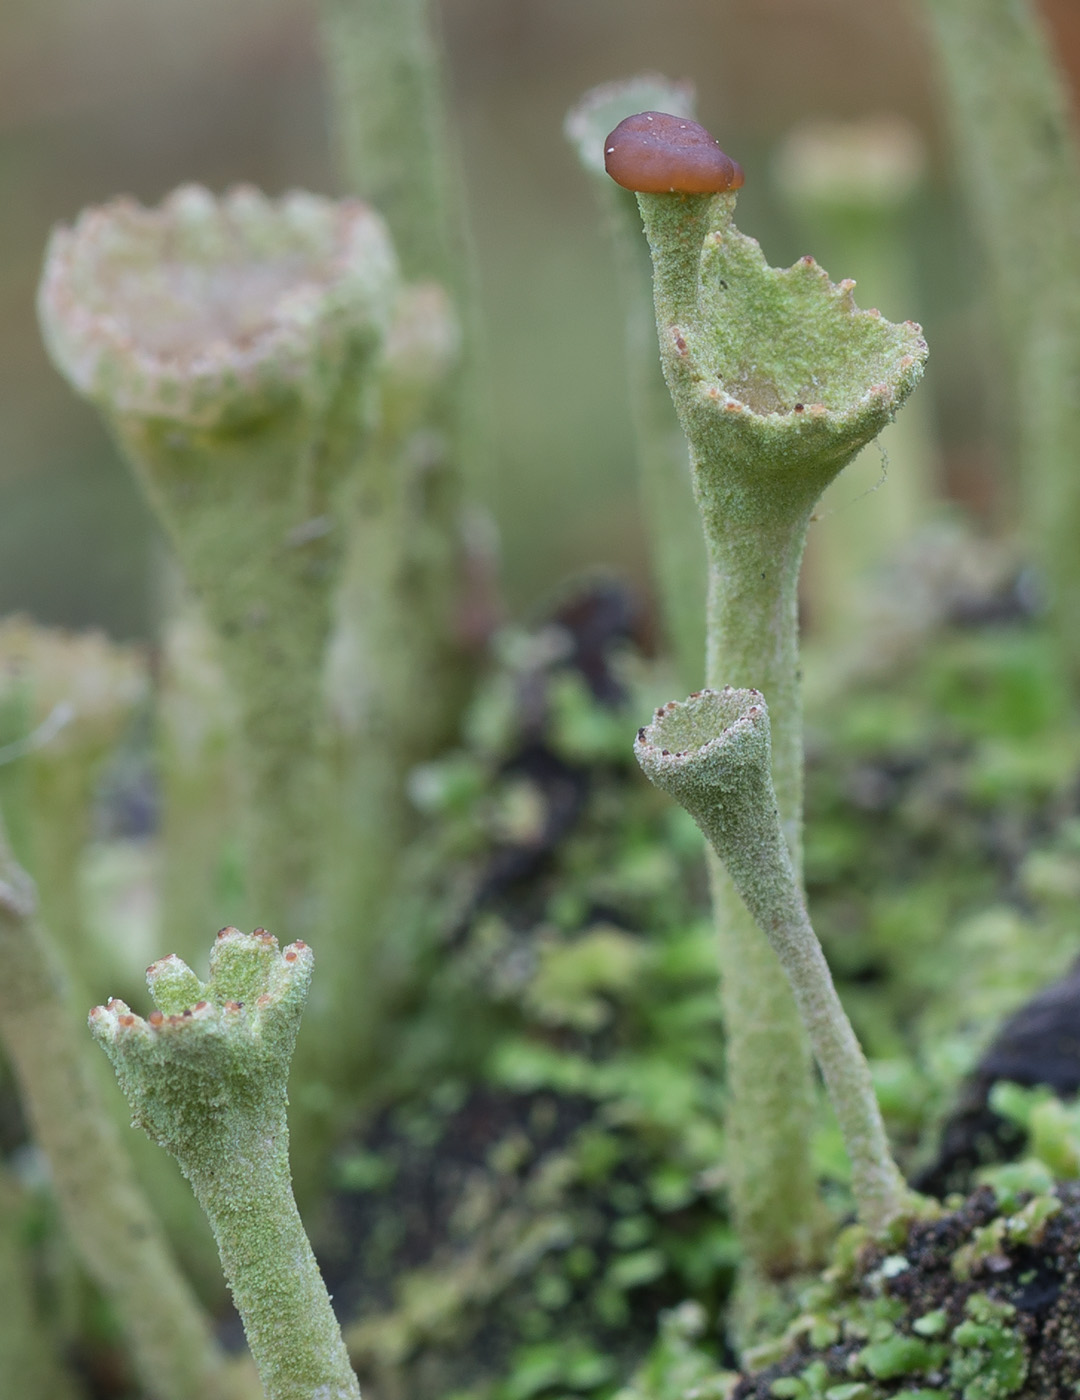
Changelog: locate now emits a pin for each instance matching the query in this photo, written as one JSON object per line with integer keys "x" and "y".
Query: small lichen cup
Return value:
{"x": 778, "y": 379}
{"x": 712, "y": 753}
{"x": 231, "y": 345}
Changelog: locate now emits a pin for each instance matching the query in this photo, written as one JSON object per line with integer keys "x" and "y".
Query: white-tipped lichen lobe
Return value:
{"x": 212, "y": 311}
{"x": 211, "y": 1047}
{"x": 208, "y": 1083}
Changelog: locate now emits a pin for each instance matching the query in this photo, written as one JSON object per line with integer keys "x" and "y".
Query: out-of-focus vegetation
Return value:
{"x": 137, "y": 98}
{"x": 532, "y": 1171}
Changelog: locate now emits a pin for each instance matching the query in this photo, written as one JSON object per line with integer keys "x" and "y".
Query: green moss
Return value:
{"x": 899, "y": 1356}
{"x": 989, "y": 1360}
{"x": 646, "y": 1077}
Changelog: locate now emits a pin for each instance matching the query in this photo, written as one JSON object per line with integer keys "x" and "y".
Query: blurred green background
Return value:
{"x": 136, "y": 96}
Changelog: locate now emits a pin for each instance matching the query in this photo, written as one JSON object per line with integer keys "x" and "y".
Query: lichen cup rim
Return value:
{"x": 709, "y": 727}
{"x": 774, "y": 370}
{"x": 206, "y": 309}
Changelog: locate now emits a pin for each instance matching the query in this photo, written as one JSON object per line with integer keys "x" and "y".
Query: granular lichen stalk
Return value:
{"x": 778, "y": 380}
{"x": 206, "y": 1076}
{"x": 230, "y": 344}
{"x": 712, "y": 753}
{"x": 109, "y": 1222}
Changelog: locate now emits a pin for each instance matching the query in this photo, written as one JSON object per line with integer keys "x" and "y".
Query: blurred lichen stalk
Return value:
{"x": 290, "y": 381}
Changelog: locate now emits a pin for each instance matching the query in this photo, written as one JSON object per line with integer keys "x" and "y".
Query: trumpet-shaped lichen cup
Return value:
{"x": 231, "y": 344}
{"x": 713, "y": 754}
{"x": 778, "y": 379}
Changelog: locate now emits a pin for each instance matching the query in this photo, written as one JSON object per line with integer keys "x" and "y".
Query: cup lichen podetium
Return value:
{"x": 206, "y": 1078}
{"x": 778, "y": 380}
{"x": 230, "y": 344}
{"x": 712, "y": 753}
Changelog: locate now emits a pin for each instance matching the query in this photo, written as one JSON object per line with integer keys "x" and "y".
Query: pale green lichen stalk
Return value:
{"x": 389, "y": 125}
{"x": 206, "y": 1078}
{"x": 393, "y": 134}
{"x": 778, "y": 380}
{"x": 230, "y": 344}
{"x": 712, "y": 753}
{"x": 110, "y": 1224}
{"x": 384, "y": 679}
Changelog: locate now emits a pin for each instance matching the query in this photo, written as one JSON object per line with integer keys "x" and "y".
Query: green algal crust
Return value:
{"x": 778, "y": 380}
{"x": 110, "y": 1224}
{"x": 1017, "y": 157}
{"x": 206, "y": 1076}
{"x": 678, "y": 554}
{"x": 712, "y": 753}
{"x": 230, "y": 345}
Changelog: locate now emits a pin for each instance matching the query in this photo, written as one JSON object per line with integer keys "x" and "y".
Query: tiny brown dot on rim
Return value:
{"x": 201, "y": 1005}
{"x": 290, "y": 956}
{"x": 155, "y": 1018}
{"x": 799, "y": 407}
